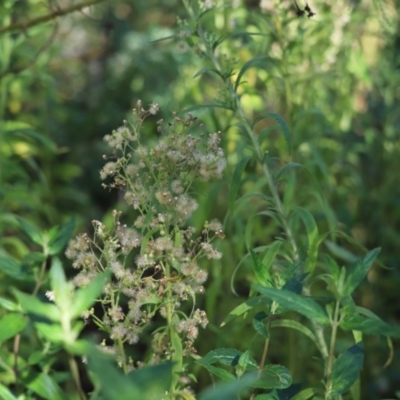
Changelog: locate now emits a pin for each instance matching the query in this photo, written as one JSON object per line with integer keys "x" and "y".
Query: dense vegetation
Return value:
{"x": 199, "y": 199}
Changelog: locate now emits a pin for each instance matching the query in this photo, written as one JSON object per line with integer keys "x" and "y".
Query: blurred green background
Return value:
{"x": 335, "y": 78}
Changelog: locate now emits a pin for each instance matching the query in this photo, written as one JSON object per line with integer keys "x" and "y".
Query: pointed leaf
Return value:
{"x": 45, "y": 386}
{"x": 312, "y": 236}
{"x": 271, "y": 254}
{"x": 15, "y": 269}
{"x": 294, "y": 284}
{"x": 286, "y": 168}
{"x": 10, "y": 325}
{"x": 256, "y": 61}
{"x": 290, "y": 323}
{"x": 273, "y": 377}
{"x": 61, "y": 237}
{"x": 260, "y": 271}
{"x": 35, "y": 235}
{"x": 228, "y": 390}
{"x": 244, "y": 307}
{"x": 5, "y": 393}
{"x": 32, "y": 305}
{"x": 358, "y": 271}
{"x": 87, "y": 296}
{"x": 346, "y": 369}
{"x": 259, "y": 324}
{"x": 219, "y": 372}
{"x": 370, "y": 326}
{"x": 303, "y": 305}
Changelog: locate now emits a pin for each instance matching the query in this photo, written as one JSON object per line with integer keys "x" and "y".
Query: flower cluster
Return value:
{"x": 155, "y": 260}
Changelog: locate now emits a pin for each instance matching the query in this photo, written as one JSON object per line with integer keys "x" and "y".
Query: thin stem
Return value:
{"x": 75, "y": 374}
{"x": 335, "y": 324}
{"x": 48, "y": 17}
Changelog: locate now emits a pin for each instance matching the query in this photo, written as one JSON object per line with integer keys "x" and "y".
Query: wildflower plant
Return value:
{"x": 154, "y": 260}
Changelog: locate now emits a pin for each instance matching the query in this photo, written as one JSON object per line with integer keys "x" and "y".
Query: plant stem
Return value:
{"x": 48, "y": 17}
{"x": 335, "y": 324}
{"x": 75, "y": 374}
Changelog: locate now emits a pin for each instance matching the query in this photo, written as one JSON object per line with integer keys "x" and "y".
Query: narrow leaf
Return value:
{"x": 229, "y": 390}
{"x": 219, "y": 372}
{"x": 35, "y": 235}
{"x": 32, "y": 305}
{"x": 358, "y": 271}
{"x": 86, "y": 297}
{"x": 46, "y": 387}
{"x": 305, "y": 394}
{"x": 286, "y": 168}
{"x": 294, "y": 284}
{"x": 5, "y": 393}
{"x": 271, "y": 254}
{"x": 244, "y": 307}
{"x": 61, "y": 237}
{"x": 312, "y": 236}
{"x": 370, "y": 326}
{"x": 13, "y": 268}
{"x": 289, "y": 323}
{"x": 260, "y": 270}
{"x": 346, "y": 369}
{"x": 254, "y": 62}
{"x": 303, "y": 305}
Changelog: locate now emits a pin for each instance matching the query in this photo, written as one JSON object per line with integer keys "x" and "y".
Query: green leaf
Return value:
{"x": 219, "y": 372}
{"x": 230, "y": 390}
{"x": 87, "y": 296}
{"x": 244, "y": 307}
{"x": 32, "y": 305}
{"x": 289, "y": 323}
{"x": 259, "y": 324}
{"x": 289, "y": 272}
{"x": 270, "y": 255}
{"x": 312, "y": 236}
{"x": 45, "y": 386}
{"x": 305, "y": 394}
{"x": 286, "y": 168}
{"x": 346, "y": 369}
{"x": 303, "y": 305}
{"x": 111, "y": 382}
{"x": 241, "y": 366}
{"x": 10, "y": 325}
{"x": 8, "y": 304}
{"x": 236, "y": 180}
{"x": 260, "y": 271}
{"x": 254, "y": 62}
{"x": 13, "y": 268}
{"x": 223, "y": 356}
{"x": 5, "y": 394}
{"x": 358, "y": 271}
{"x": 370, "y": 326}
{"x": 207, "y": 70}
{"x": 273, "y": 377}
{"x": 35, "y": 235}
{"x": 52, "y": 331}
{"x": 177, "y": 355}
{"x": 284, "y": 128}
{"x": 294, "y": 284}
{"x": 61, "y": 236}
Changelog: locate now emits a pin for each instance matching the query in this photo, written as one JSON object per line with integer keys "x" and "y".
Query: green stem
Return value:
{"x": 335, "y": 324}
{"x": 48, "y": 17}
{"x": 75, "y": 374}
